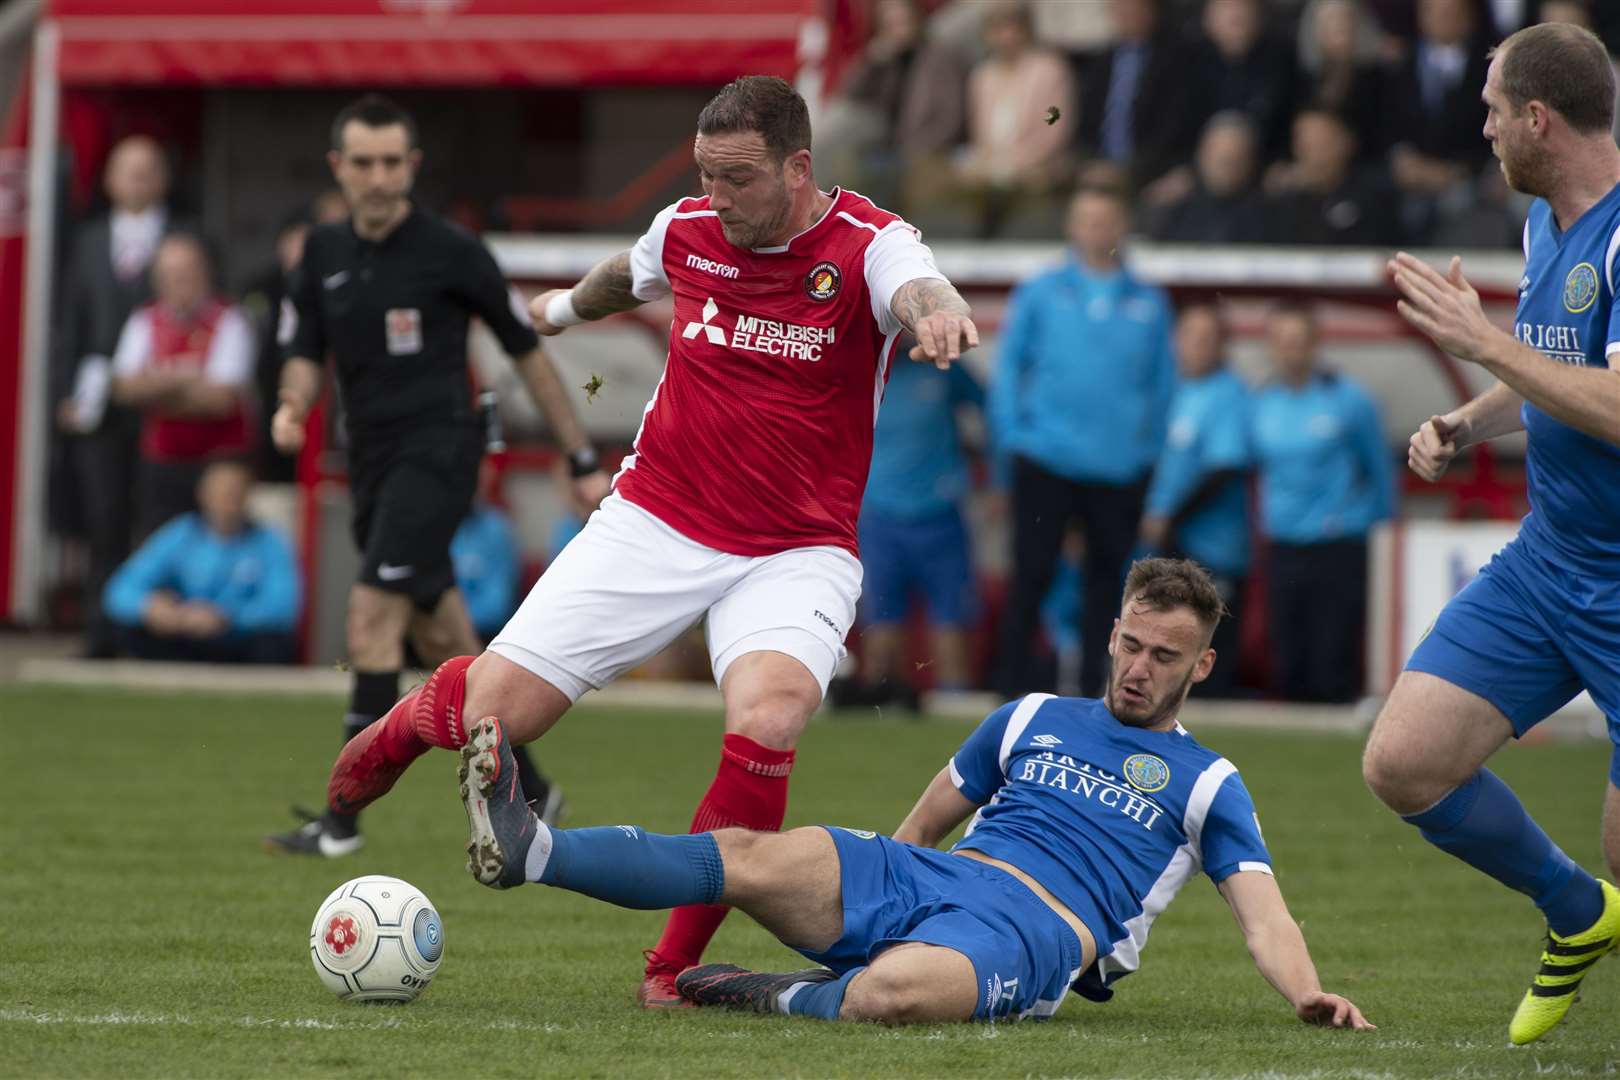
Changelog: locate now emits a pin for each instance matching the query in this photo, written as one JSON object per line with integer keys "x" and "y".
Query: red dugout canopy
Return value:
{"x": 432, "y": 42}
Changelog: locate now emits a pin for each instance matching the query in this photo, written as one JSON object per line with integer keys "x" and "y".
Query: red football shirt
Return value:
{"x": 759, "y": 436}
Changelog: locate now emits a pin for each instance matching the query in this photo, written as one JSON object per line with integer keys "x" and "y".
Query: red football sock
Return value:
{"x": 373, "y": 760}
{"x": 749, "y": 791}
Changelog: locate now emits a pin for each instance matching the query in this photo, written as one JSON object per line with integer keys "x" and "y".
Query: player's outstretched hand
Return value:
{"x": 942, "y": 338}
{"x": 1432, "y": 447}
{"x": 287, "y": 425}
{"x": 1331, "y": 1010}
{"x": 537, "y": 314}
{"x": 1443, "y": 306}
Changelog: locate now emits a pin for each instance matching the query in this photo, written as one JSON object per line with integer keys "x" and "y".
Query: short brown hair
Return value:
{"x": 762, "y": 104}
{"x": 1163, "y": 584}
{"x": 1563, "y": 66}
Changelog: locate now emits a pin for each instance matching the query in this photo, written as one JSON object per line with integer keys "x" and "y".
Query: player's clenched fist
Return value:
{"x": 1430, "y": 450}
{"x": 943, "y": 337}
{"x": 537, "y": 313}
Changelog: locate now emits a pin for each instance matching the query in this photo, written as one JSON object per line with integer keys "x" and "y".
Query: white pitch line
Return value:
{"x": 140, "y": 1019}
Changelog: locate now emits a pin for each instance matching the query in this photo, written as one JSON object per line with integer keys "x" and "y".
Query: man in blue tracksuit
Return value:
{"x": 914, "y": 541}
{"x": 1325, "y": 479}
{"x": 1078, "y": 405}
{"x": 1198, "y": 505}
{"x": 209, "y": 585}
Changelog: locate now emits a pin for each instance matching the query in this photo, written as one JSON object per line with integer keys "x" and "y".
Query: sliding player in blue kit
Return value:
{"x": 1091, "y": 814}
{"x": 1542, "y": 620}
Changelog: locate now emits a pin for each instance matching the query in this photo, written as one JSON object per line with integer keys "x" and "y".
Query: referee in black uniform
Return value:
{"x": 389, "y": 294}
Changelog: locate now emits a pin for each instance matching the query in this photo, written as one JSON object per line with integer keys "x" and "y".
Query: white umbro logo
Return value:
{"x": 332, "y": 281}
{"x": 1047, "y": 740}
{"x": 389, "y": 572}
{"x": 1524, "y": 283}
{"x": 715, "y": 335}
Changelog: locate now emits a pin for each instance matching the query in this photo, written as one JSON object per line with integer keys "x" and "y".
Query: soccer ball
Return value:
{"x": 376, "y": 939}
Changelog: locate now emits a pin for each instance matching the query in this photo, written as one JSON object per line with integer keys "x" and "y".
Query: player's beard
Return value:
{"x": 748, "y": 234}
{"x": 1158, "y": 711}
{"x": 1524, "y": 173}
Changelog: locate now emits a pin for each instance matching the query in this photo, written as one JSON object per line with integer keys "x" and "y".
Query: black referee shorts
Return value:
{"x": 410, "y": 495}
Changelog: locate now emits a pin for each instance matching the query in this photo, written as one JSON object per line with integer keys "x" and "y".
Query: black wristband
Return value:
{"x": 583, "y": 462}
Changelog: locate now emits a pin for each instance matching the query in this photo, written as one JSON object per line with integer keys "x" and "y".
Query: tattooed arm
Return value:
{"x": 937, "y": 317}
{"x": 600, "y": 293}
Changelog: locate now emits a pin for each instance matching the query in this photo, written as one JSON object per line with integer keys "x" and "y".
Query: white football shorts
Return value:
{"x": 628, "y": 585}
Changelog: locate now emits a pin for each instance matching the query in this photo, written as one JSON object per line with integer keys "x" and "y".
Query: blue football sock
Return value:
{"x": 1483, "y": 823}
{"x": 821, "y": 1000}
{"x": 628, "y": 866}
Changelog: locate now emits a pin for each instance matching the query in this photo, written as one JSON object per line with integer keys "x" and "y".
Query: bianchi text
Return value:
{"x": 1063, "y": 772}
{"x": 1561, "y": 343}
{"x": 789, "y": 340}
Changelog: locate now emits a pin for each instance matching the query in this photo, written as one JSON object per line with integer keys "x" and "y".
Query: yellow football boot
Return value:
{"x": 1563, "y": 965}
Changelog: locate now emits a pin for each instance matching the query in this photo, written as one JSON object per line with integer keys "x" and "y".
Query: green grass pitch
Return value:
{"x": 146, "y": 934}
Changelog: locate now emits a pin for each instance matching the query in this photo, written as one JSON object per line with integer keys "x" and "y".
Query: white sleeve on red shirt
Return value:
{"x": 897, "y": 256}
{"x": 647, "y": 278}
{"x": 230, "y": 353}
{"x": 134, "y": 346}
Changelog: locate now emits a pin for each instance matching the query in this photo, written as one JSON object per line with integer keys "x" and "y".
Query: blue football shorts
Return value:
{"x": 1527, "y": 636}
{"x": 1024, "y": 956}
{"x": 903, "y": 558}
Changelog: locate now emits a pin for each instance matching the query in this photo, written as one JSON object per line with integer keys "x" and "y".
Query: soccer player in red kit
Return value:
{"x": 739, "y": 503}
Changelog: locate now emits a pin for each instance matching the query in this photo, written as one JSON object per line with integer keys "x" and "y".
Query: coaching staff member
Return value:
{"x": 389, "y": 293}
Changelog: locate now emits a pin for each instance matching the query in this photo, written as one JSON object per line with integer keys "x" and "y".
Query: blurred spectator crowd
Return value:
{"x": 1231, "y": 121}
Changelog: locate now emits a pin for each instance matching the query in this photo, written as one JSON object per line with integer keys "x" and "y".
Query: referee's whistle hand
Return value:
{"x": 287, "y": 425}
{"x": 589, "y": 491}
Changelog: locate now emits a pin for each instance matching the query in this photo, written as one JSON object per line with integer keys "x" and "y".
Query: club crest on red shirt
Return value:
{"x": 823, "y": 281}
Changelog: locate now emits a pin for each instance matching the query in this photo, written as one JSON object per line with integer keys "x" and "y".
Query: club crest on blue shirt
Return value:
{"x": 1580, "y": 288}
{"x": 1147, "y": 773}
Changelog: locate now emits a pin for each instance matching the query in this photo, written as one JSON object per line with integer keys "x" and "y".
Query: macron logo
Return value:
{"x": 709, "y": 266}
{"x": 715, "y": 335}
{"x": 1047, "y": 740}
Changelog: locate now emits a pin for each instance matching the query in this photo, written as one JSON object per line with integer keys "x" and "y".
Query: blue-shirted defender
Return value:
{"x": 1089, "y": 815}
{"x": 1542, "y": 620}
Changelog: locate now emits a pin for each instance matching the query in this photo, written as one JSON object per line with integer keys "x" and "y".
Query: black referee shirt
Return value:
{"x": 394, "y": 315}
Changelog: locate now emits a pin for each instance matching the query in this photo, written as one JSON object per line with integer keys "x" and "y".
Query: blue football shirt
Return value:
{"x": 1567, "y": 312}
{"x": 1113, "y": 820}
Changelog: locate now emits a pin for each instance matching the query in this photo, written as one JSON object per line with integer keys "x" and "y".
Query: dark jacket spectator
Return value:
{"x": 1136, "y": 108}
{"x": 1238, "y": 65}
{"x": 211, "y": 585}
{"x": 912, "y": 87}
{"x": 1343, "y": 71}
{"x": 1224, "y": 206}
{"x": 1321, "y": 196}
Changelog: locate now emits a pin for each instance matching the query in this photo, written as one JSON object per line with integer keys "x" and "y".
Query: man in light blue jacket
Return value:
{"x": 1078, "y": 405}
{"x": 211, "y": 585}
{"x": 1325, "y": 478}
{"x": 1198, "y": 503}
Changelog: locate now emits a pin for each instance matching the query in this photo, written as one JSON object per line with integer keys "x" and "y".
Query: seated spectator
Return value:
{"x": 1239, "y": 66}
{"x": 1325, "y": 479}
{"x": 1198, "y": 503}
{"x": 211, "y": 585}
{"x": 1224, "y": 206}
{"x": 186, "y": 362}
{"x": 1135, "y": 106}
{"x": 1321, "y": 196}
{"x": 900, "y": 108}
{"x": 1436, "y": 114}
{"x": 914, "y": 538}
{"x": 1014, "y": 154}
{"x": 1341, "y": 57}
{"x": 484, "y": 554}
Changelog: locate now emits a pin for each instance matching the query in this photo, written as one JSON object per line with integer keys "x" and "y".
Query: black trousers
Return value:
{"x": 103, "y": 466}
{"x": 264, "y": 648}
{"x": 1222, "y": 681}
{"x": 1043, "y": 505}
{"x": 1317, "y": 595}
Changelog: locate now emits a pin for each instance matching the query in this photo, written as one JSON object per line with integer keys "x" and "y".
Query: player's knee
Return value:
{"x": 1398, "y": 777}
{"x": 774, "y": 715}
{"x": 885, "y": 996}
